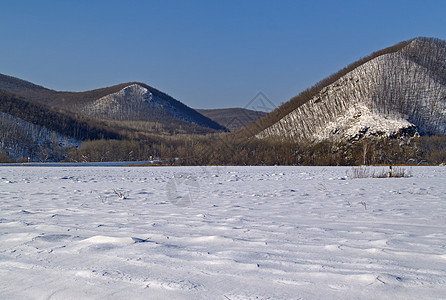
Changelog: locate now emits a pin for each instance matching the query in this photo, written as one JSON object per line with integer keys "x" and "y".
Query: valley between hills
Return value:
{"x": 387, "y": 108}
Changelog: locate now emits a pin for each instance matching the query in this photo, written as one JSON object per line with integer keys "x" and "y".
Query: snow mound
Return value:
{"x": 99, "y": 239}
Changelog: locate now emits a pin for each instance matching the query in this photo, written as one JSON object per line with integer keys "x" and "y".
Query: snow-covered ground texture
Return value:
{"x": 389, "y": 95}
{"x": 221, "y": 233}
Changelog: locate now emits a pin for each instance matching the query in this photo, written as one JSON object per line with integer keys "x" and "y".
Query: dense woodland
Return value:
{"x": 226, "y": 149}
{"x": 74, "y": 126}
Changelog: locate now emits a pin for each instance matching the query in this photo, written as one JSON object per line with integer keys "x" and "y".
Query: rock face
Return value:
{"x": 396, "y": 94}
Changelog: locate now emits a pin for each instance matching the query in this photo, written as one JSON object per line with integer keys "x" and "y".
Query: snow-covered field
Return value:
{"x": 221, "y": 233}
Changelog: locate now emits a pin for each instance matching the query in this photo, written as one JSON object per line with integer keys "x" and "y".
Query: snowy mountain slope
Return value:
{"x": 394, "y": 94}
{"x": 127, "y": 103}
{"x": 22, "y": 139}
{"x": 124, "y": 102}
{"x": 39, "y": 116}
{"x": 137, "y": 102}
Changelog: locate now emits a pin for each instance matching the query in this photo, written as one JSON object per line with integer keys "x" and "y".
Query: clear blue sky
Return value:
{"x": 207, "y": 54}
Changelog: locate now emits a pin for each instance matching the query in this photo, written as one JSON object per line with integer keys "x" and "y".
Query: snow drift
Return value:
{"x": 248, "y": 233}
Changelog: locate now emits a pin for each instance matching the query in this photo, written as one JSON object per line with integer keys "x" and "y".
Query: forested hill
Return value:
{"x": 34, "y": 119}
{"x": 387, "y": 108}
{"x": 128, "y": 102}
{"x": 232, "y": 118}
{"x": 52, "y": 119}
{"x": 397, "y": 91}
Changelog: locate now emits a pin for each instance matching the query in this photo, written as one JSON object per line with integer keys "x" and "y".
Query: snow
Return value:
{"x": 358, "y": 119}
{"x": 130, "y": 102}
{"x": 244, "y": 233}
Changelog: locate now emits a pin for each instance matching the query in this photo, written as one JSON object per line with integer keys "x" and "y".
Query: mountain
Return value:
{"x": 36, "y": 120}
{"x": 124, "y": 102}
{"x": 30, "y": 129}
{"x": 367, "y": 113}
{"x": 396, "y": 92}
{"x": 232, "y": 118}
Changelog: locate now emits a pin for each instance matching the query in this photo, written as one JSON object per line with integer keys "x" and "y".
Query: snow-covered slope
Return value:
{"x": 136, "y": 102}
{"x": 126, "y": 104}
{"x": 130, "y": 103}
{"x": 394, "y": 94}
{"x": 123, "y": 102}
{"x": 22, "y": 139}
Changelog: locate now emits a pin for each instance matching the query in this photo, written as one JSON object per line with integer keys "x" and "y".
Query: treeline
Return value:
{"x": 227, "y": 150}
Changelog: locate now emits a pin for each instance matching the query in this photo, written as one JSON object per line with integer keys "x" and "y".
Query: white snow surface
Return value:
{"x": 358, "y": 119}
{"x": 221, "y": 233}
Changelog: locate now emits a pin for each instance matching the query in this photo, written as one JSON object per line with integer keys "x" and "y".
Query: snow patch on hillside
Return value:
{"x": 132, "y": 94}
{"x": 359, "y": 121}
{"x": 127, "y": 104}
{"x": 137, "y": 103}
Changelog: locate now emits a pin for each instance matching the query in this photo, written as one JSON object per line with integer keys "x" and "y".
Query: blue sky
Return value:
{"x": 207, "y": 54}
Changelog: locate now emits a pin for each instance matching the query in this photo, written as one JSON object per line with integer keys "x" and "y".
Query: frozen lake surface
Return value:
{"x": 221, "y": 233}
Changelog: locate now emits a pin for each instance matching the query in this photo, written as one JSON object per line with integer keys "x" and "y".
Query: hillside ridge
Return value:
{"x": 232, "y": 118}
{"x": 388, "y": 94}
{"x": 169, "y": 111}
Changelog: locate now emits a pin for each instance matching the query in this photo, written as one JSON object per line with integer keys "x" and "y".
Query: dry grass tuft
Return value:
{"x": 368, "y": 172}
